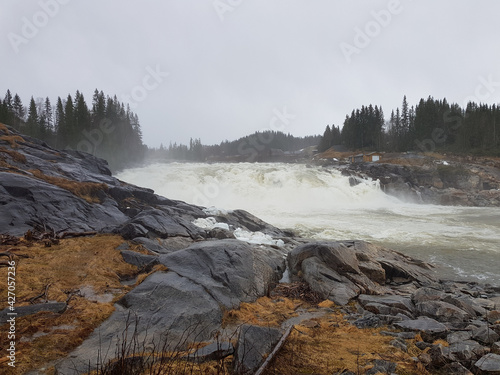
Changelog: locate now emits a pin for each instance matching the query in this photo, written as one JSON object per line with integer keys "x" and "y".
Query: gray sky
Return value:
{"x": 222, "y": 69}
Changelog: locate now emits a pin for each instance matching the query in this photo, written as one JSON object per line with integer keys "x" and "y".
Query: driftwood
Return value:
{"x": 6, "y": 239}
{"x": 297, "y": 290}
{"x": 43, "y": 294}
{"x": 276, "y": 349}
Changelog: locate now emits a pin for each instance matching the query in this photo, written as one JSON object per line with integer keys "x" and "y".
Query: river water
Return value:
{"x": 319, "y": 203}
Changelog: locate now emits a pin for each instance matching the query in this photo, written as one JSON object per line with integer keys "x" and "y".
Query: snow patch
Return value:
{"x": 210, "y": 223}
{"x": 214, "y": 211}
{"x": 257, "y": 238}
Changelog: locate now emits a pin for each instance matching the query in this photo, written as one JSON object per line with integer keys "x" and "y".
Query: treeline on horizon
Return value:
{"x": 248, "y": 147}
{"x": 431, "y": 125}
{"x": 108, "y": 129}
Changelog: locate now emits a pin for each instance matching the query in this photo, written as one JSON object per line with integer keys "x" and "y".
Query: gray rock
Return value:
{"x": 399, "y": 344}
{"x": 456, "y": 368}
{"x": 489, "y": 364}
{"x": 342, "y": 270}
{"x": 429, "y": 328}
{"x": 495, "y": 347}
{"x": 402, "y": 303}
{"x": 442, "y": 311}
{"x": 369, "y": 321}
{"x": 485, "y": 335}
{"x": 212, "y": 352}
{"x": 327, "y": 282}
{"x": 427, "y": 294}
{"x": 381, "y": 366}
{"x": 231, "y": 271}
{"x": 139, "y": 260}
{"x": 176, "y": 307}
{"x": 27, "y": 202}
{"x": 378, "y": 308}
{"x": 467, "y": 350}
{"x": 160, "y": 223}
{"x": 254, "y": 344}
{"x": 55, "y": 307}
{"x": 152, "y": 245}
{"x": 123, "y": 246}
{"x": 440, "y": 355}
{"x": 458, "y": 336}
{"x": 186, "y": 303}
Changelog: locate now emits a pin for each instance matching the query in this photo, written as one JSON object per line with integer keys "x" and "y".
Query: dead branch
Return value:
{"x": 278, "y": 346}
{"x": 43, "y": 294}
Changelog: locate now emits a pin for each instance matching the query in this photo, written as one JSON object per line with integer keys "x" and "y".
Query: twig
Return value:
{"x": 278, "y": 346}
{"x": 43, "y": 294}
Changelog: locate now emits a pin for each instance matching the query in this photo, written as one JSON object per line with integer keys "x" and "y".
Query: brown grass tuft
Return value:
{"x": 263, "y": 312}
{"x": 333, "y": 345}
{"x": 12, "y": 139}
{"x": 16, "y": 156}
{"x": 66, "y": 268}
{"x": 85, "y": 190}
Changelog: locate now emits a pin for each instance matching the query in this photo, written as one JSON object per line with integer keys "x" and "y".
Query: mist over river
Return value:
{"x": 319, "y": 203}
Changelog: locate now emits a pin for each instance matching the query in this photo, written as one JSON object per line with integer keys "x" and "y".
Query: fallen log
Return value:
{"x": 276, "y": 349}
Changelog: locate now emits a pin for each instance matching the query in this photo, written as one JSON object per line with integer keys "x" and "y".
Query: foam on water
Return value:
{"x": 320, "y": 203}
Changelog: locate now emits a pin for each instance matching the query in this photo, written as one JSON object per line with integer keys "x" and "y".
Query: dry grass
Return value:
{"x": 16, "y": 156}
{"x": 263, "y": 312}
{"x": 333, "y": 345}
{"x": 323, "y": 345}
{"x": 67, "y": 267}
{"x": 85, "y": 190}
{"x": 12, "y": 139}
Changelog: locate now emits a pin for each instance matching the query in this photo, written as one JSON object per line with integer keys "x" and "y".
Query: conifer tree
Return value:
{"x": 33, "y": 128}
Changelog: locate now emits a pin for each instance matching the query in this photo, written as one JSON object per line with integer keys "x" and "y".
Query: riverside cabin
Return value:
{"x": 370, "y": 157}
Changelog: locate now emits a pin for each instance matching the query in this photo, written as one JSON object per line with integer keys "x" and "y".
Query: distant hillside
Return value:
{"x": 258, "y": 146}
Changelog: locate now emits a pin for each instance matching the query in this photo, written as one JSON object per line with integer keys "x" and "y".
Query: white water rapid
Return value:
{"x": 319, "y": 203}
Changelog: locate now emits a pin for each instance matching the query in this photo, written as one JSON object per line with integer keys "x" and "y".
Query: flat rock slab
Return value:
{"x": 400, "y": 302}
{"x": 211, "y": 352}
{"x": 429, "y": 327}
{"x": 139, "y": 260}
{"x": 55, "y": 307}
{"x": 489, "y": 364}
{"x": 254, "y": 344}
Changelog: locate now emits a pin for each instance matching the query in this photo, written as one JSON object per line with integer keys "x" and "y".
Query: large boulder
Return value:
{"x": 342, "y": 270}
{"x": 185, "y": 303}
{"x": 28, "y": 202}
{"x": 254, "y": 345}
{"x": 231, "y": 271}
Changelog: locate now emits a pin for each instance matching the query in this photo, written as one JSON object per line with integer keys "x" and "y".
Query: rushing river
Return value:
{"x": 319, "y": 203}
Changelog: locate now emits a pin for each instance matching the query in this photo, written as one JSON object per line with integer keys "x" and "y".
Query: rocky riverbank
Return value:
{"x": 185, "y": 278}
{"x": 432, "y": 178}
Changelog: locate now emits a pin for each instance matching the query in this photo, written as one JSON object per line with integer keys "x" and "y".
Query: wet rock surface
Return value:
{"x": 205, "y": 272}
{"x": 464, "y": 181}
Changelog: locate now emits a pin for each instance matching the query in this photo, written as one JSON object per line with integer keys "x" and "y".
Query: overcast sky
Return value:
{"x": 223, "y": 69}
